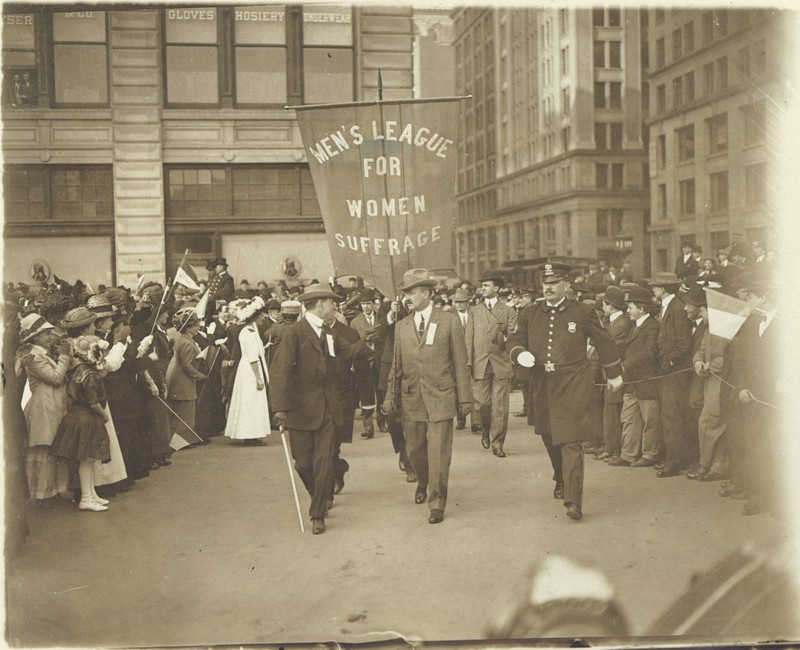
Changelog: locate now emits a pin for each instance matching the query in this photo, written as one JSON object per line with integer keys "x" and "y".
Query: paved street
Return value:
{"x": 208, "y": 551}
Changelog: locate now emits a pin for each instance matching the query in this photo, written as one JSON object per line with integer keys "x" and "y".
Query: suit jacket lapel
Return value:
{"x": 311, "y": 335}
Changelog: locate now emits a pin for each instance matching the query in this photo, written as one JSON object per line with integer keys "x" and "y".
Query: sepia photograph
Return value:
{"x": 400, "y": 324}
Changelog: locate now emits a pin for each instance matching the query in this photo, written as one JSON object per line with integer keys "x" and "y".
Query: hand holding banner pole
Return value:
{"x": 291, "y": 478}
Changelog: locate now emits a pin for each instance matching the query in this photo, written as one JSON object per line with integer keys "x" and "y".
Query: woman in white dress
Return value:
{"x": 248, "y": 414}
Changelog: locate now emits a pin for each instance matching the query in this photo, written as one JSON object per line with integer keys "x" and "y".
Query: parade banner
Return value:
{"x": 384, "y": 174}
{"x": 726, "y": 314}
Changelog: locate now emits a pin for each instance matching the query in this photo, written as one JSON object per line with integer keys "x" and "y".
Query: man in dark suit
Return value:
{"x": 551, "y": 339}
{"x": 488, "y": 326}
{"x": 368, "y": 324}
{"x": 429, "y": 384}
{"x": 686, "y": 264}
{"x": 641, "y": 423}
{"x": 220, "y": 285}
{"x": 675, "y": 357}
{"x": 619, "y": 326}
{"x": 693, "y": 300}
{"x": 306, "y": 398}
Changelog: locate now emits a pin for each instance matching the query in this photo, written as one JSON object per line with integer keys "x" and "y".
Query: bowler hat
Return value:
{"x": 492, "y": 276}
{"x": 664, "y": 279}
{"x": 31, "y": 325}
{"x": 640, "y": 296}
{"x": 553, "y": 271}
{"x": 367, "y": 295}
{"x": 317, "y": 292}
{"x": 695, "y": 296}
{"x": 614, "y": 297}
{"x": 272, "y": 304}
{"x": 416, "y": 278}
{"x": 460, "y": 295}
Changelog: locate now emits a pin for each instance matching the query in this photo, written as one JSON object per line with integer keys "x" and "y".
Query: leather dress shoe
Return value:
{"x": 667, "y": 472}
{"x": 421, "y": 495}
{"x": 695, "y": 474}
{"x": 616, "y": 461}
{"x": 485, "y": 441}
{"x": 436, "y": 516}
{"x": 710, "y": 476}
{"x": 522, "y": 414}
{"x": 558, "y": 491}
{"x": 460, "y": 426}
{"x": 411, "y": 475}
{"x": 574, "y": 512}
{"x": 317, "y": 526}
{"x": 338, "y": 483}
{"x": 497, "y": 451}
{"x": 602, "y": 456}
{"x": 369, "y": 433}
{"x": 642, "y": 462}
{"x": 477, "y": 428}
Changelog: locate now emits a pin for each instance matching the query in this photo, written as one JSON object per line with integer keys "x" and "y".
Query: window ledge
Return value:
{"x": 718, "y": 154}
{"x": 192, "y": 114}
{"x": 27, "y": 114}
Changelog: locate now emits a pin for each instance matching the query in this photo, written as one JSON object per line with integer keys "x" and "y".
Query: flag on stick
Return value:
{"x": 187, "y": 277}
{"x": 139, "y": 283}
{"x": 726, "y": 314}
{"x": 201, "y": 307}
{"x": 177, "y": 443}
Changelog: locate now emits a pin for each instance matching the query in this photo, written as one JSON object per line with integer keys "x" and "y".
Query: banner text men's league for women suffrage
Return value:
{"x": 384, "y": 177}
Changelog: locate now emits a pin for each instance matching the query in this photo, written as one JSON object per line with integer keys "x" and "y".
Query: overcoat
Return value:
{"x": 560, "y": 399}
{"x": 182, "y": 374}
{"x": 48, "y": 403}
{"x": 641, "y": 360}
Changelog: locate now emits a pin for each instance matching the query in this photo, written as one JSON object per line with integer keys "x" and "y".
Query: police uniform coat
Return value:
{"x": 427, "y": 382}
{"x": 221, "y": 287}
{"x": 558, "y": 335}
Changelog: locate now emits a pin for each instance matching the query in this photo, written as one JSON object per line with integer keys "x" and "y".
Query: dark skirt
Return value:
{"x": 82, "y": 435}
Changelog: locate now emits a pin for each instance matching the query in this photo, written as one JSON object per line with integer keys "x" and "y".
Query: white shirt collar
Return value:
{"x": 426, "y": 313}
{"x": 491, "y": 302}
{"x": 315, "y": 321}
{"x": 642, "y": 319}
{"x": 614, "y": 316}
{"x": 549, "y": 306}
{"x": 665, "y": 302}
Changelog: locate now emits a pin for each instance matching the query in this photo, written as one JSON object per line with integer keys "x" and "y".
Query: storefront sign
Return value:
{"x": 384, "y": 177}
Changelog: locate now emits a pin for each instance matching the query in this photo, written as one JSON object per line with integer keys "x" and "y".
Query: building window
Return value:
{"x": 565, "y": 102}
{"x": 659, "y": 16}
{"x": 718, "y": 134}
{"x": 260, "y": 55}
{"x": 719, "y": 191}
{"x": 20, "y": 75}
{"x": 550, "y": 228}
{"x": 616, "y": 135}
{"x": 708, "y": 79}
{"x": 688, "y": 85}
{"x": 58, "y": 193}
{"x": 744, "y": 63}
{"x": 755, "y": 124}
{"x": 601, "y": 142}
{"x": 615, "y": 94}
{"x": 615, "y": 54}
{"x": 686, "y": 190}
{"x": 614, "y": 18}
{"x": 755, "y": 185}
{"x": 708, "y": 27}
{"x": 263, "y": 191}
{"x": 685, "y": 143}
{"x": 760, "y": 58}
{"x": 688, "y": 37}
{"x": 677, "y": 45}
{"x": 719, "y": 240}
{"x": 563, "y": 19}
{"x": 598, "y": 17}
{"x": 617, "y": 172}
{"x": 192, "y": 56}
{"x": 677, "y": 92}
{"x": 601, "y": 176}
{"x": 564, "y": 59}
{"x": 599, "y": 54}
{"x": 661, "y": 98}
{"x": 565, "y": 137}
{"x": 609, "y": 222}
{"x": 661, "y": 207}
{"x": 661, "y": 152}
{"x": 80, "y": 58}
{"x": 660, "y": 53}
{"x": 599, "y": 94}
{"x": 722, "y": 72}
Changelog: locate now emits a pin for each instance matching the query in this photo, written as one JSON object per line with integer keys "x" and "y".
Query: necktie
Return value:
{"x": 421, "y": 324}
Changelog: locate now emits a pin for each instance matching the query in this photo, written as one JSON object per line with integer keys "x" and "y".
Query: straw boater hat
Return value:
{"x": 290, "y": 307}
{"x": 664, "y": 279}
{"x": 317, "y": 292}
{"x": 417, "y": 278}
{"x": 31, "y": 325}
{"x": 100, "y": 305}
{"x": 78, "y": 318}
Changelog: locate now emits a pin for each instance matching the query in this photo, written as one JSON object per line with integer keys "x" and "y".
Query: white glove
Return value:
{"x": 153, "y": 355}
{"x": 147, "y": 341}
{"x": 615, "y": 384}
{"x": 219, "y": 342}
{"x": 212, "y": 327}
{"x": 526, "y": 359}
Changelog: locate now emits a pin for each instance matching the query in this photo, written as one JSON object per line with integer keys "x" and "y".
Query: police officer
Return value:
{"x": 551, "y": 339}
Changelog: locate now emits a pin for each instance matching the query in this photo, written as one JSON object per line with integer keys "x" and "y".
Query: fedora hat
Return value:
{"x": 695, "y": 296}
{"x": 317, "y": 292}
{"x": 492, "y": 276}
{"x": 640, "y": 295}
{"x": 77, "y": 318}
{"x": 664, "y": 279}
{"x": 460, "y": 295}
{"x": 614, "y": 297}
{"x": 367, "y": 295}
{"x": 31, "y": 325}
{"x": 100, "y": 305}
{"x": 416, "y": 278}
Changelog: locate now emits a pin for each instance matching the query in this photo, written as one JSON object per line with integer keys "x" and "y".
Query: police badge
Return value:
{"x": 572, "y": 327}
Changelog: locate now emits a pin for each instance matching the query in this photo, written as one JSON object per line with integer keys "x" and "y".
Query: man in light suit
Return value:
{"x": 488, "y": 326}
{"x": 429, "y": 384}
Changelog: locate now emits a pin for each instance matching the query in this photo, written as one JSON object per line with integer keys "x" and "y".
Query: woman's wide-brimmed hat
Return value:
{"x": 77, "y": 318}
{"x": 89, "y": 348}
{"x": 100, "y": 305}
{"x": 317, "y": 292}
{"x": 31, "y": 325}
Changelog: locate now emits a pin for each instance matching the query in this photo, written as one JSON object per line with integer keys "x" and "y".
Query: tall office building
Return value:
{"x": 553, "y": 158}
{"x": 715, "y": 77}
{"x": 131, "y": 134}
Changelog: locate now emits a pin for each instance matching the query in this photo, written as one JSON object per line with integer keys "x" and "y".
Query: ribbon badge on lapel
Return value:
{"x": 572, "y": 327}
